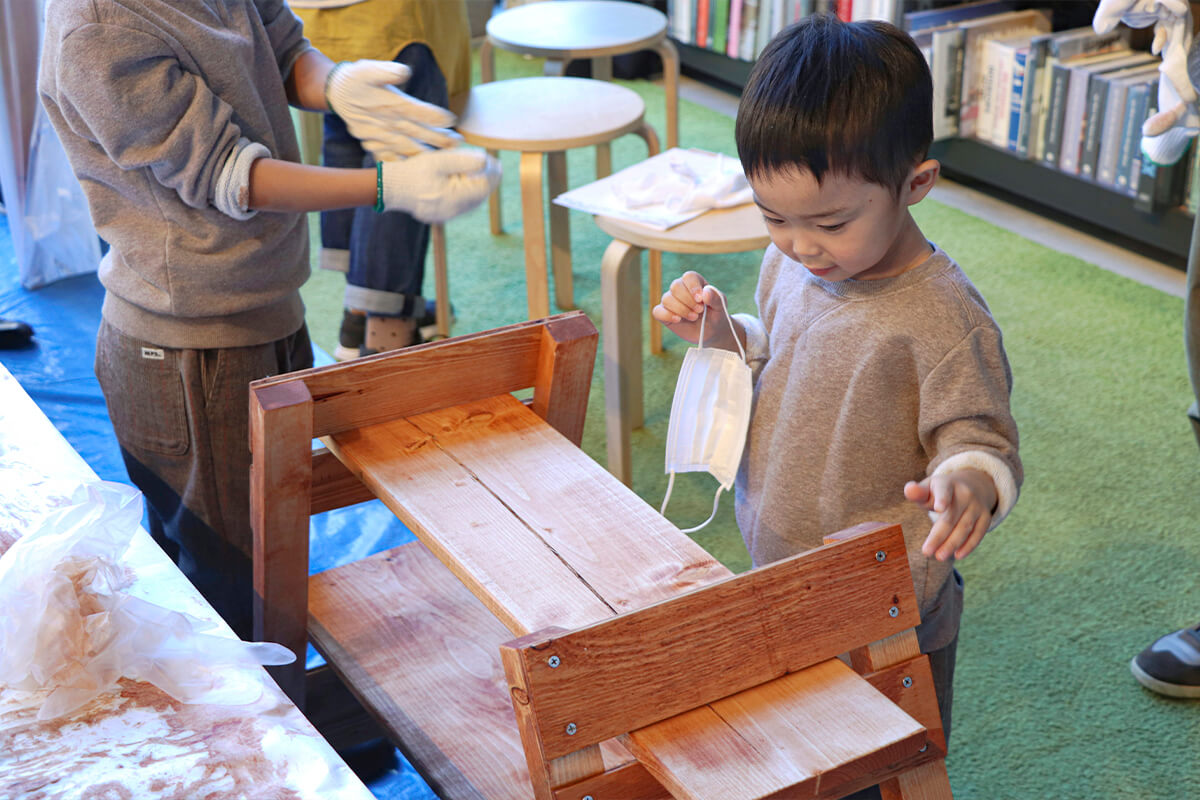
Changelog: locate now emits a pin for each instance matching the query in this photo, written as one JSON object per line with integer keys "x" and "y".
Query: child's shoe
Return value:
{"x": 1171, "y": 665}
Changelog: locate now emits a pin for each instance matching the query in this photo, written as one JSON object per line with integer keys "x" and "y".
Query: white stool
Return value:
{"x": 731, "y": 230}
{"x": 546, "y": 117}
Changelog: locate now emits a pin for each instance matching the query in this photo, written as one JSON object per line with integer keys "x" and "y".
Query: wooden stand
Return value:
{"x": 641, "y": 668}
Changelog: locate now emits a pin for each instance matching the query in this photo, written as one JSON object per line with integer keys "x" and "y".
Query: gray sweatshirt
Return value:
{"x": 861, "y": 386}
{"x": 150, "y": 98}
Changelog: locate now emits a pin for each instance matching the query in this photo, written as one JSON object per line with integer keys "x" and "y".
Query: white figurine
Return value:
{"x": 1165, "y": 135}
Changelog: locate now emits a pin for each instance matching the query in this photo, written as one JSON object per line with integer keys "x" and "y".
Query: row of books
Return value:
{"x": 741, "y": 28}
{"x": 1071, "y": 100}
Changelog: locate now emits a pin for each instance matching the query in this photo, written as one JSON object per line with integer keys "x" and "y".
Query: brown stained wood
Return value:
{"x": 883, "y": 653}
{"x": 489, "y": 548}
{"x": 928, "y": 781}
{"x": 626, "y": 782}
{"x": 785, "y": 739}
{"x": 644, "y": 666}
{"x": 421, "y": 652}
{"x": 416, "y": 379}
{"x": 564, "y": 376}
{"x": 918, "y": 699}
{"x": 334, "y": 486}
{"x": 619, "y": 547}
{"x": 280, "y": 483}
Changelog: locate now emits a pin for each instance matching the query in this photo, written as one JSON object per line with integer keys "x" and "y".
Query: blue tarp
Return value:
{"x": 57, "y": 373}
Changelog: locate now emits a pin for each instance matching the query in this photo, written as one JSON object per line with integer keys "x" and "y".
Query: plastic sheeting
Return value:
{"x": 52, "y": 233}
{"x": 57, "y": 373}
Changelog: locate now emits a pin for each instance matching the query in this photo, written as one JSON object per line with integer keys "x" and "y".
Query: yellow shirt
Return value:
{"x": 380, "y": 29}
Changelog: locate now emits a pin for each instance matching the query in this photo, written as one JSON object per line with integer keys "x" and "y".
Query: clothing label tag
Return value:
{"x": 153, "y": 353}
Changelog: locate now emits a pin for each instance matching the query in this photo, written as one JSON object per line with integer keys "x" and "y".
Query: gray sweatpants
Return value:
{"x": 182, "y": 420}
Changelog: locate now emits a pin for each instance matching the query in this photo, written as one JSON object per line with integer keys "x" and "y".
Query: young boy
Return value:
{"x": 881, "y": 384}
{"x": 174, "y": 115}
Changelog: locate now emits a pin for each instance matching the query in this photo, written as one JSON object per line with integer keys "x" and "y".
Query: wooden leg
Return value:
{"x": 656, "y": 290}
{"x": 560, "y": 232}
{"x": 928, "y": 781}
{"x": 602, "y": 71}
{"x": 647, "y": 133}
{"x": 281, "y": 427}
{"x": 487, "y": 61}
{"x": 533, "y": 219}
{"x": 670, "y": 59}
{"x": 497, "y": 224}
{"x": 620, "y": 310}
{"x": 441, "y": 280}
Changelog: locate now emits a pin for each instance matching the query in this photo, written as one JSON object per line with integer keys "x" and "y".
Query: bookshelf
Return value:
{"x": 976, "y": 162}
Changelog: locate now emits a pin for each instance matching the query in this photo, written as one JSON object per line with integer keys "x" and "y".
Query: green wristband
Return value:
{"x": 379, "y": 187}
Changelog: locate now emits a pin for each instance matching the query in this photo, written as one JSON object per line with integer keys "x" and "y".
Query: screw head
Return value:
{"x": 893, "y": 612}
{"x": 907, "y": 681}
{"x": 587, "y": 797}
{"x": 553, "y": 661}
{"x": 880, "y": 555}
{"x": 571, "y": 729}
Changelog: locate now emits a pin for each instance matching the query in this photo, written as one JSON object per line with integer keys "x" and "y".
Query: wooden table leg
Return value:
{"x": 621, "y": 312}
{"x": 487, "y": 74}
{"x": 670, "y": 59}
{"x": 533, "y": 219}
{"x": 560, "y": 232}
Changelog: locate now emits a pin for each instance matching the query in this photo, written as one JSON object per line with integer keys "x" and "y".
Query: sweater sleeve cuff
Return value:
{"x": 758, "y": 344}
{"x": 1000, "y": 473}
{"x": 231, "y": 195}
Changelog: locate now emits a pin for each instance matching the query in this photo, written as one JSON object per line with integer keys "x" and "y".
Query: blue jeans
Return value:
{"x": 386, "y": 259}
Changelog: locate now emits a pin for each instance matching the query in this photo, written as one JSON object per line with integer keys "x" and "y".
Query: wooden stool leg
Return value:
{"x": 602, "y": 71}
{"x": 497, "y": 224}
{"x": 487, "y": 61}
{"x": 656, "y": 290}
{"x": 560, "y": 232}
{"x": 620, "y": 310}
{"x": 533, "y": 219}
{"x": 928, "y": 781}
{"x": 670, "y": 59}
{"x": 441, "y": 280}
{"x": 647, "y": 133}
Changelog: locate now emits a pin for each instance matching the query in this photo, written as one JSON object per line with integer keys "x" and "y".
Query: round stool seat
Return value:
{"x": 722, "y": 230}
{"x": 577, "y": 28}
{"x": 548, "y": 114}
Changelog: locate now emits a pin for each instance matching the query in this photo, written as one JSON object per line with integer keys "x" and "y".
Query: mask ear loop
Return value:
{"x": 700, "y": 346}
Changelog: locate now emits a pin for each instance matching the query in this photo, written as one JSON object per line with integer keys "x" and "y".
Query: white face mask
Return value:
{"x": 709, "y": 416}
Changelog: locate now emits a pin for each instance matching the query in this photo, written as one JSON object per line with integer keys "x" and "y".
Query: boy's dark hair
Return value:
{"x": 831, "y": 96}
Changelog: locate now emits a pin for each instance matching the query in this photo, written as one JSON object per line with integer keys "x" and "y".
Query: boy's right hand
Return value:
{"x": 682, "y": 306}
{"x": 438, "y": 185}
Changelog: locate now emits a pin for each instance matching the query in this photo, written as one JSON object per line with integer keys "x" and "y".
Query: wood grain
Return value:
{"x": 647, "y": 665}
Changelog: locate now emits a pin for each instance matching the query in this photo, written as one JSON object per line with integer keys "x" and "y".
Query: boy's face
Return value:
{"x": 844, "y": 227}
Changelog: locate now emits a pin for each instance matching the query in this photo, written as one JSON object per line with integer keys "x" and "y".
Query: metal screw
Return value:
{"x": 587, "y": 797}
{"x": 571, "y": 729}
{"x": 553, "y": 661}
{"x": 893, "y": 612}
{"x": 922, "y": 750}
{"x": 907, "y": 681}
{"x": 880, "y": 555}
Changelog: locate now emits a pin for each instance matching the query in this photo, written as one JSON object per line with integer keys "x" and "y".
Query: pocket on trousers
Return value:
{"x": 144, "y": 393}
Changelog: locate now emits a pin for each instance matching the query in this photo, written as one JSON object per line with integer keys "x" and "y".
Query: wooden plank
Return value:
{"x": 334, "y": 486}
{"x": 398, "y": 383}
{"x": 613, "y": 541}
{"x": 280, "y": 483}
{"x": 488, "y": 547}
{"x": 422, "y": 654}
{"x": 627, "y": 782}
{"x": 644, "y": 666}
{"x": 785, "y": 739}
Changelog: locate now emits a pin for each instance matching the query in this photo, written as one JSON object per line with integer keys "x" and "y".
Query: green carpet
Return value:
{"x": 1100, "y": 555}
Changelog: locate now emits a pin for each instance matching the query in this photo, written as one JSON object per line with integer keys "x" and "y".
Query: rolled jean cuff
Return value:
{"x": 388, "y": 304}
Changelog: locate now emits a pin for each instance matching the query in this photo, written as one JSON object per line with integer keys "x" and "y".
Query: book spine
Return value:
{"x": 1131, "y": 135}
{"x": 1148, "y": 175}
{"x": 702, "y": 23}
{"x": 1093, "y": 123}
{"x": 1072, "y": 132}
{"x": 981, "y": 125}
{"x": 1110, "y": 133}
{"x": 1018, "y": 106}
{"x": 749, "y": 29}
{"x": 1054, "y": 114}
{"x": 998, "y": 133}
{"x": 735, "y": 28}
{"x": 720, "y": 31}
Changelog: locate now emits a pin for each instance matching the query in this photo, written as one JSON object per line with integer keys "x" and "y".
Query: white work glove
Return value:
{"x": 437, "y": 185}
{"x": 389, "y": 123}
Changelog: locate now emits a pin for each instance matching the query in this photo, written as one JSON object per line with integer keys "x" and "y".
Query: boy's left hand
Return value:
{"x": 964, "y": 500}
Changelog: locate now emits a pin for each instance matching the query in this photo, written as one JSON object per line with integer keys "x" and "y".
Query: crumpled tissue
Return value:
{"x": 71, "y": 630}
